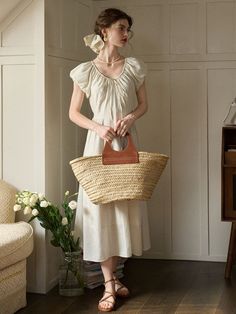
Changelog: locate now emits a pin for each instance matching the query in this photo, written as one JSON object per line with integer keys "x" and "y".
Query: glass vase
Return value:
{"x": 71, "y": 279}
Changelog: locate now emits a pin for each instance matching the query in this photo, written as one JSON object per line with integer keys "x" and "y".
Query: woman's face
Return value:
{"x": 118, "y": 33}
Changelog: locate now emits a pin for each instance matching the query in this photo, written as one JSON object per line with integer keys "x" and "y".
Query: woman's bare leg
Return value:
{"x": 122, "y": 290}
{"x": 107, "y": 269}
{"x": 114, "y": 263}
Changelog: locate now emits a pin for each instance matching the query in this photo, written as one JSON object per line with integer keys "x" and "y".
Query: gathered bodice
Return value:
{"x": 110, "y": 98}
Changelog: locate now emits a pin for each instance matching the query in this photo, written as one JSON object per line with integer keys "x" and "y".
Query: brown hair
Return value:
{"x": 109, "y": 16}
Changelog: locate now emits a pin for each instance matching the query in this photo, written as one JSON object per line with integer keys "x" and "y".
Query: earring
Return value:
{"x": 105, "y": 38}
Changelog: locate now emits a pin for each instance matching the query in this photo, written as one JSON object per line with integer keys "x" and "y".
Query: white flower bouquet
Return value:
{"x": 50, "y": 217}
{"x": 61, "y": 226}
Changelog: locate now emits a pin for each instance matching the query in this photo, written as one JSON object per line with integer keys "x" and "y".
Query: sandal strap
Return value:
{"x": 112, "y": 279}
{"x": 118, "y": 283}
{"x": 120, "y": 286}
{"x": 107, "y": 297}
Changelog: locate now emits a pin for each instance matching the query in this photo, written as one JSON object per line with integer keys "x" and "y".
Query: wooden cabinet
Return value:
{"x": 228, "y": 184}
{"x": 228, "y": 181}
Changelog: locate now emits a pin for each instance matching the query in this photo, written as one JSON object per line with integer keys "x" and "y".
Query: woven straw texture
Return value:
{"x": 107, "y": 183}
{"x": 12, "y": 288}
{"x": 7, "y": 201}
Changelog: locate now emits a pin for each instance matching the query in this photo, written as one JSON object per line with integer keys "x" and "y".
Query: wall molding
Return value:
{"x": 13, "y": 14}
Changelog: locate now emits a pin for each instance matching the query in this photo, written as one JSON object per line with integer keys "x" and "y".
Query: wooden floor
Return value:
{"x": 157, "y": 286}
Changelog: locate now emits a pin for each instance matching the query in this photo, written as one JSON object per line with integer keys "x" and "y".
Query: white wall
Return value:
{"x": 22, "y": 148}
{"x": 40, "y": 44}
{"x": 66, "y": 24}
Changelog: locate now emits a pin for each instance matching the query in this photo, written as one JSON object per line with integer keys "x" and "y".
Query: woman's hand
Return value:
{"x": 123, "y": 125}
{"x": 105, "y": 132}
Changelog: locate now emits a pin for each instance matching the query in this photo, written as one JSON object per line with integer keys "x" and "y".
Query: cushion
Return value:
{"x": 16, "y": 242}
{"x": 7, "y": 201}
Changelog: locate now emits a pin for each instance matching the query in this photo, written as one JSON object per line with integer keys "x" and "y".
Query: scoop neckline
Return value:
{"x": 108, "y": 77}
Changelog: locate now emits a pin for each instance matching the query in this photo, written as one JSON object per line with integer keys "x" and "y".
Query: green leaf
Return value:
{"x": 32, "y": 218}
{"x": 54, "y": 242}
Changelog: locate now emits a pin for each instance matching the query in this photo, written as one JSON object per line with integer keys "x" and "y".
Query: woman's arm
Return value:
{"x": 123, "y": 125}
{"x": 105, "y": 132}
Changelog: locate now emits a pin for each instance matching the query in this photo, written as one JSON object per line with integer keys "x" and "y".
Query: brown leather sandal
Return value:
{"x": 110, "y": 294}
{"x": 121, "y": 290}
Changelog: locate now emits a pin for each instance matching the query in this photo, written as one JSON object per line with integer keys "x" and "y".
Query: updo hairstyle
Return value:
{"x": 108, "y": 17}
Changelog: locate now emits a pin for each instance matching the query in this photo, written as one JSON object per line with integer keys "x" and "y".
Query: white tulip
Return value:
{"x": 72, "y": 205}
{"x": 27, "y": 210}
{"x": 67, "y": 193}
{"x": 44, "y": 204}
{"x": 19, "y": 200}
{"x": 64, "y": 221}
{"x": 17, "y": 207}
{"x": 33, "y": 200}
{"x": 41, "y": 196}
{"x": 25, "y": 193}
{"x": 35, "y": 212}
{"x": 26, "y": 200}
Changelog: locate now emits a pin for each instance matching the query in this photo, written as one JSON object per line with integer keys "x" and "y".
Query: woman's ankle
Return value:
{"x": 109, "y": 284}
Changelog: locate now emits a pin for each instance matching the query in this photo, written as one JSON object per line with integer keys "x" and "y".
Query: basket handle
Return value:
{"x": 129, "y": 155}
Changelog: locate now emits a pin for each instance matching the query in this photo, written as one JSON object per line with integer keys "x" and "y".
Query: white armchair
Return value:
{"x": 16, "y": 244}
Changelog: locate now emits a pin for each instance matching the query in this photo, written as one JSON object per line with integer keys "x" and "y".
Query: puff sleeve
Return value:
{"x": 139, "y": 71}
{"x": 81, "y": 76}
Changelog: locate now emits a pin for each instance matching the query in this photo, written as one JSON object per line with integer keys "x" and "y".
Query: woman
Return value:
{"x": 116, "y": 91}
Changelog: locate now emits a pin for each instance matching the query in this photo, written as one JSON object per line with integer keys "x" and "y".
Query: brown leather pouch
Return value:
{"x": 129, "y": 155}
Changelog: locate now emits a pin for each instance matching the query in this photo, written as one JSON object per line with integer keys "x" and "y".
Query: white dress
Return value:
{"x": 119, "y": 228}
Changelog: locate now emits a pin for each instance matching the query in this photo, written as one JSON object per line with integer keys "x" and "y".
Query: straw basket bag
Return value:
{"x": 119, "y": 175}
